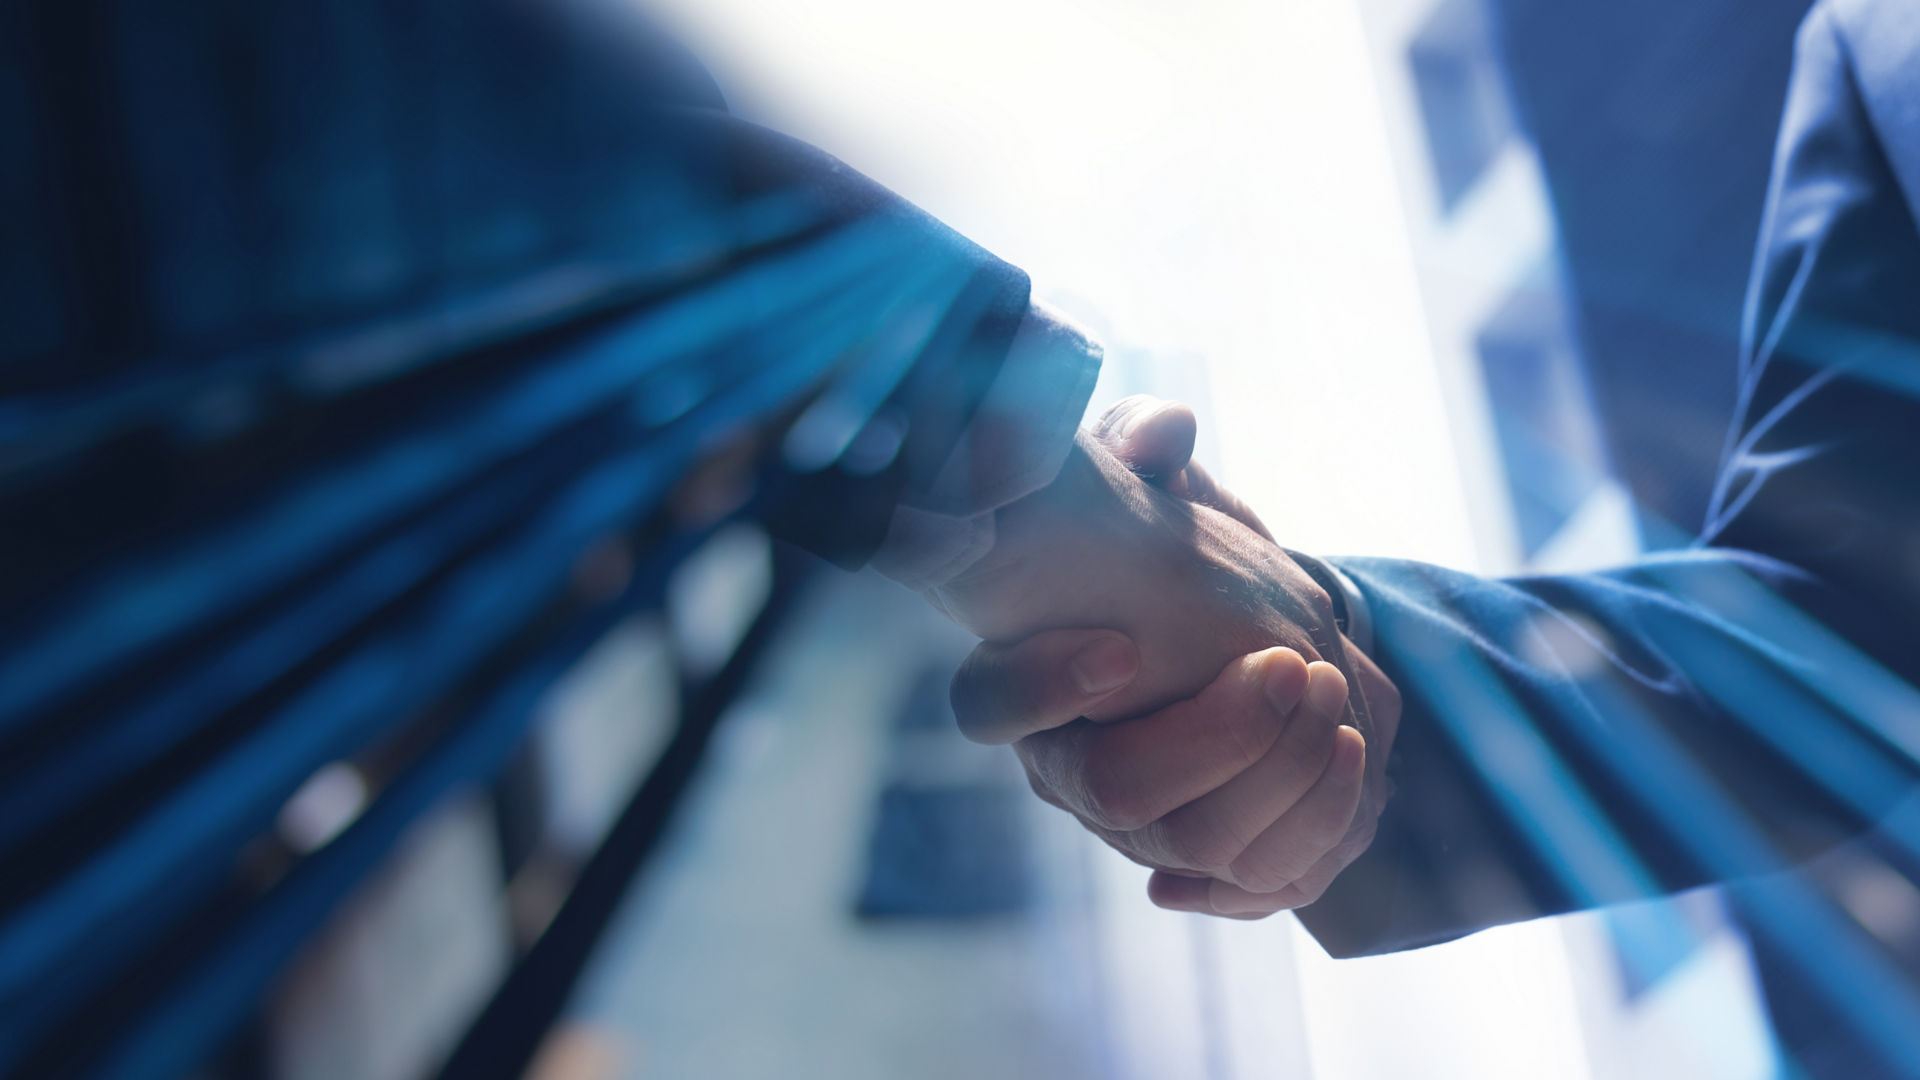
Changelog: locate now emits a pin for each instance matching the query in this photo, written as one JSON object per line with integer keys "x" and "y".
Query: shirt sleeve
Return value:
{"x": 1012, "y": 447}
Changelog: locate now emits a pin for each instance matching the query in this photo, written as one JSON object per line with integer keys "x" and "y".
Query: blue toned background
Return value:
{"x": 1454, "y": 280}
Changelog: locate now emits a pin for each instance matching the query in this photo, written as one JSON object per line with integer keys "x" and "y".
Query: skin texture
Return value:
{"x": 1155, "y": 440}
{"x": 1100, "y": 547}
{"x": 1247, "y": 772}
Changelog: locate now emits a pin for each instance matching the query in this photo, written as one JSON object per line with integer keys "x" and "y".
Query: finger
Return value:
{"x": 1178, "y": 892}
{"x": 1312, "y": 885}
{"x": 1006, "y": 692}
{"x": 1160, "y": 445}
{"x": 1199, "y": 486}
{"x": 1123, "y": 415}
{"x": 1155, "y": 439}
{"x": 1311, "y": 828}
{"x": 1152, "y": 437}
{"x": 1124, "y": 775}
{"x": 1237, "y": 903}
{"x": 1174, "y": 892}
{"x": 1210, "y": 833}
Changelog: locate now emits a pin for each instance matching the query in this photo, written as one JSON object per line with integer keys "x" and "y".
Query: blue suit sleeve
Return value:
{"x": 1704, "y": 715}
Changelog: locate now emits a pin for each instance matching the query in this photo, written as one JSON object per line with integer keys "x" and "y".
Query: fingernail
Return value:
{"x": 1326, "y": 689}
{"x": 1286, "y": 680}
{"x": 1142, "y": 411}
{"x": 1349, "y": 752}
{"x": 1105, "y": 665}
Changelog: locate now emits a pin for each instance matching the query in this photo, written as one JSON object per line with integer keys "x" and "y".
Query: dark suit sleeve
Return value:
{"x": 345, "y": 216}
{"x": 926, "y": 323}
{"x": 910, "y": 320}
{"x": 353, "y": 333}
{"x": 1703, "y": 715}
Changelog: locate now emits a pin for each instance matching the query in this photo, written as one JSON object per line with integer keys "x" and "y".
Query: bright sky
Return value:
{"x": 1201, "y": 180}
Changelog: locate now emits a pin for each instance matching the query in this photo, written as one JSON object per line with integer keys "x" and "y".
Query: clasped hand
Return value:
{"x": 1171, "y": 677}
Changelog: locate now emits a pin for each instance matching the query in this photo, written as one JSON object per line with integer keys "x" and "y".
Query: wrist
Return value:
{"x": 1015, "y": 445}
{"x": 1351, "y": 614}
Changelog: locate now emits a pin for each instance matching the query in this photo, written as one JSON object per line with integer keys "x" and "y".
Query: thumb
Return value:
{"x": 1005, "y": 692}
{"x": 1154, "y": 438}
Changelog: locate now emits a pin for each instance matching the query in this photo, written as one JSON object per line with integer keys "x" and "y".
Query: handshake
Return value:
{"x": 1173, "y": 678}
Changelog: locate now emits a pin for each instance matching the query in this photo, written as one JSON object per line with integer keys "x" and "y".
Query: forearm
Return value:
{"x": 1569, "y": 741}
{"x": 1566, "y": 741}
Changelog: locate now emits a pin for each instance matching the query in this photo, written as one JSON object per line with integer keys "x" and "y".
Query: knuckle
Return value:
{"x": 1307, "y": 892}
{"x": 1119, "y": 842}
{"x": 1122, "y": 812}
{"x": 1272, "y": 870}
{"x": 1258, "y": 877}
{"x": 1199, "y": 845}
{"x": 1112, "y": 801}
{"x": 1320, "y": 600}
{"x": 1043, "y": 791}
{"x": 1132, "y": 855}
{"x": 1308, "y": 599}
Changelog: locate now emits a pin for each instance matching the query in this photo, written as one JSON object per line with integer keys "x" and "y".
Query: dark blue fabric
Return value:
{"x": 335, "y": 335}
{"x": 1653, "y": 122}
{"x": 1716, "y": 714}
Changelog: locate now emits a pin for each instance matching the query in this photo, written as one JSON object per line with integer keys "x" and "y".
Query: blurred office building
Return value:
{"x": 1583, "y": 187}
{"x": 684, "y": 802}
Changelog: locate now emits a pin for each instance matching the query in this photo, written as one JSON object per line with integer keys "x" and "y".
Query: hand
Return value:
{"x": 1243, "y": 801}
{"x": 1155, "y": 439}
{"x": 1190, "y": 585}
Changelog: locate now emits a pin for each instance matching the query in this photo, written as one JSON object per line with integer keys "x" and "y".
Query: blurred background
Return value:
{"x": 1381, "y": 247}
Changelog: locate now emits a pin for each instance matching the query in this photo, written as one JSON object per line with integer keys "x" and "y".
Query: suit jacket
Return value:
{"x": 333, "y": 338}
{"x": 1724, "y": 712}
